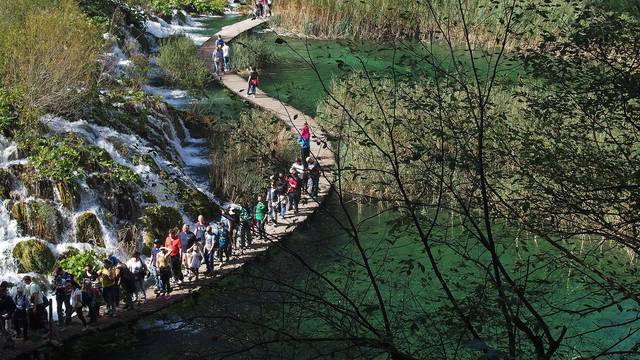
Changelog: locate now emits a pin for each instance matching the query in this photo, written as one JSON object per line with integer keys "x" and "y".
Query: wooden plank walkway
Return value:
{"x": 289, "y": 115}
{"x": 292, "y": 118}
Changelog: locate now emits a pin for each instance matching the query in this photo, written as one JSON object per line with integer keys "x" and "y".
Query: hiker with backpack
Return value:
{"x": 245, "y": 226}
{"x": 63, "y": 295}
{"x": 126, "y": 281}
{"x": 260, "y": 216}
{"x": 253, "y": 81}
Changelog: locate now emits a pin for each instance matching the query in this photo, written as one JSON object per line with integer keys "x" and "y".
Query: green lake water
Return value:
{"x": 260, "y": 294}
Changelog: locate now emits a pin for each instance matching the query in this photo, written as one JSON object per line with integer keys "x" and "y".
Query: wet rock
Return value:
{"x": 38, "y": 218}
{"x": 33, "y": 256}
{"x": 196, "y": 203}
{"x": 118, "y": 199}
{"x": 88, "y": 229}
{"x": 157, "y": 221}
{"x": 69, "y": 194}
{"x": 128, "y": 237}
{"x": 5, "y": 184}
{"x": 36, "y": 187}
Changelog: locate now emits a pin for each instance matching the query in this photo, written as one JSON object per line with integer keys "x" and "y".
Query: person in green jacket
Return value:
{"x": 245, "y": 226}
{"x": 260, "y": 214}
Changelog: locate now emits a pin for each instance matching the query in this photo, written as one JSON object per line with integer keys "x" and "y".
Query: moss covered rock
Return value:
{"x": 157, "y": 221}
{"x": 118, "y": 199}
{"x": 33, "y": 256}
{"x": 38, "y": 218}
{"x": 5, "y": 183}
{"x": 88, "y": 229}
{"x": 36, "y": 187}
{"x": 69, "y": 194}
{"x": 196, "y": 203}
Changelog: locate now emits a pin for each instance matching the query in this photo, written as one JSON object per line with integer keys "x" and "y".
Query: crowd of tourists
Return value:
{"x": 26, "y": 307}
{"x": 262, "y": 9}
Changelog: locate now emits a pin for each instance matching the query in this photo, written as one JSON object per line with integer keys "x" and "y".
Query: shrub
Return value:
{"x": 248, "y": 51}
{"x": 48, "y": 50}
{"x": 38, "y": 218}
{"x": 56, "y": 159}
{"x": 158, "y": 220}
{"x": 75, "y": 263}
{"x": 179, "y": 59}
{"x": 166, "y": 7}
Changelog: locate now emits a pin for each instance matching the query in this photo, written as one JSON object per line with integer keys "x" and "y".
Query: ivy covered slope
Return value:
{"x": 88, "y": 160}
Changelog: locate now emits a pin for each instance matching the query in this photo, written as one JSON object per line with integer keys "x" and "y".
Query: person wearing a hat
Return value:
{"x": 107, "y": 278}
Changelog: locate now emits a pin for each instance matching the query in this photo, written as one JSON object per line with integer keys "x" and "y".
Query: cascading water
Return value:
{"x": 186, "y": 158}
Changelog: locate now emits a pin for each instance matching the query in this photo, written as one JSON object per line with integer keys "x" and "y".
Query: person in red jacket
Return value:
{"x": 293, "y": 190}
{"x": 175, "y": 245}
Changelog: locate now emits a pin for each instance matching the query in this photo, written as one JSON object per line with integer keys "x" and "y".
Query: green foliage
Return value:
{"x": 179, "y": 59}
{"x": 56, "y": 159}
{"x": 248, "y": 51}
{"x": 33, "y": 256}
{"x": 75, "y": 263}
{"x": 166, "y": 7}
{"x": 9, "y": 111}
{"x": 66, "y": 159}
{"x": 54, "y": 69}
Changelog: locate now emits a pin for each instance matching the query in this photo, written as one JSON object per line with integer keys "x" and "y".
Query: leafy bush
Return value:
{"x": 166, "y": 7}
{"x": 55, "y": 159}
{"x": 248, "y": 51}
{"x": 74, "y": 264}
{"x": 48, "y": 50}
{"x": 179, "y": 59}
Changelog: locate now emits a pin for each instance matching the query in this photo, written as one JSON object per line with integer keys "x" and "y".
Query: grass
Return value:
{"x": 392, "y": 19}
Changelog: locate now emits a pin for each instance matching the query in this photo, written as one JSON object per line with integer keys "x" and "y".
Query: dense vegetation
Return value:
{"x": 384, "y": 19}
{"x": 179, "y": 59}
{"x": 69, "y": 49}
{"x": 246, "y": 153}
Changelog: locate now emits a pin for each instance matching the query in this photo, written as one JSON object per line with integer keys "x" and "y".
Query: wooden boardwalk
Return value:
{"x": 289, "y": 115}
{"x": 292, "y": 118}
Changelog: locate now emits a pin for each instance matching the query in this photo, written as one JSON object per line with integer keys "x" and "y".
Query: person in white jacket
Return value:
{"x": 76, "y": 303}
